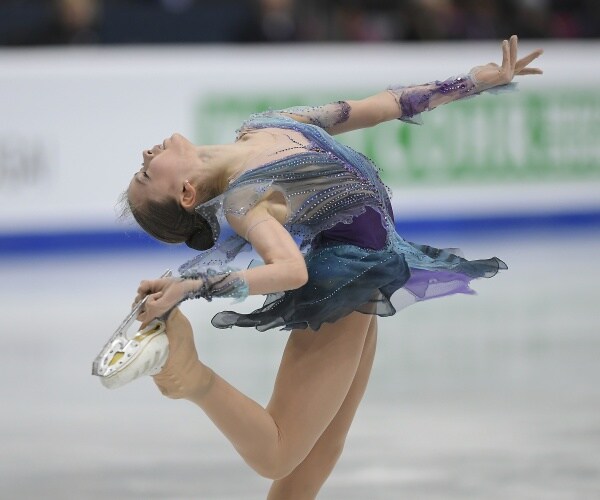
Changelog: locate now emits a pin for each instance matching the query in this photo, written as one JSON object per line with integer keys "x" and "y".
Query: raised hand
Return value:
{"x": 492, "y": 75}
{"x": 163, "y": 295}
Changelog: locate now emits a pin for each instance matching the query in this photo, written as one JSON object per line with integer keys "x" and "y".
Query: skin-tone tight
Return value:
{"x": 297, "y": 439}
{"x": 305, "y": 481}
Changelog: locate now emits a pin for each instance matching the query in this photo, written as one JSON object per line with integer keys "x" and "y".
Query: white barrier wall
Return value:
{"x": 73, "y": 124}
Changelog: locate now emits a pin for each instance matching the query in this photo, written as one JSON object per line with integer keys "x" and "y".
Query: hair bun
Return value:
{"x": 201, "y": 239}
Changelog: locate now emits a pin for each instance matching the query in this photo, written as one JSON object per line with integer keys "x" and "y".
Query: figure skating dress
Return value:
{"x": 340, "y": 214}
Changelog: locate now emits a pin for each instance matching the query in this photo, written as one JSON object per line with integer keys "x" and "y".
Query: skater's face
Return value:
{"x": 165, "y": 171}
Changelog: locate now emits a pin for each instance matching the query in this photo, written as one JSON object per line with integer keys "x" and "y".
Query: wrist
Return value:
{"x": 192, "y": 288}
{"x": 478, "y": 85}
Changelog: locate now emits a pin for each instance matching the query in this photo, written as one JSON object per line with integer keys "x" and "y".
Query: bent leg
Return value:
{"x": 306, "y": 480}
{"x": 315, "y": 375}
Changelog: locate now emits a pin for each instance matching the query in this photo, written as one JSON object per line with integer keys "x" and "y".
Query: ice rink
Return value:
{"x": 490, "y": 397}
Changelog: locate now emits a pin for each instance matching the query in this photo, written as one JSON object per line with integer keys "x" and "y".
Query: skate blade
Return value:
{"x": 119, "y": 350}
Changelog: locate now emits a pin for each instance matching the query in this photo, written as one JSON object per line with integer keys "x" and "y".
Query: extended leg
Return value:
{"x": 306, "y": 480}
{"x": 314, "y": 377}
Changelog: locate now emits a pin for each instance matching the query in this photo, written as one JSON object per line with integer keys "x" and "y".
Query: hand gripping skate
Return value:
{"x": 123, "y": 359}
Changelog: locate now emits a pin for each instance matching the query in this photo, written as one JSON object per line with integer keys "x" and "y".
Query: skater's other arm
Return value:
{"x": 284, "y": 269}
{"x": 404, "y": 103}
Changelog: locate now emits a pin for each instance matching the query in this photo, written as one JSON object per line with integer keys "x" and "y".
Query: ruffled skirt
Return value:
{"x": 343, "y": 278}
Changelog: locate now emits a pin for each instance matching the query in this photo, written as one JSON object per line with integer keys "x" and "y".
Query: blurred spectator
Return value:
{"x": 26, "y": 22}
{"x": 435, "y": 20}
{"x": 76, "y": 22}
{"x": 532, "y": 18}
{"x": 68, "y": 22}
{"x": 177, "y": 6}
{"x": 364, "y": 25}
{"x": 273, "y": 21}
{"x": 485, "y": 19}
{"x": 566, "y": 19}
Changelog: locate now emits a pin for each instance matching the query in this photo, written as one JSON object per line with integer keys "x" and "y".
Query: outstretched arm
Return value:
{"x": 405, "y": 103}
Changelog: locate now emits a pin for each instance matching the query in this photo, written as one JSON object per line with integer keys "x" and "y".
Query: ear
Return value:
{"x": 187, "y": 198}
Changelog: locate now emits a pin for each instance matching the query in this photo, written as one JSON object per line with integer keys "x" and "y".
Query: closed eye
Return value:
{"x": 144, "y": 172}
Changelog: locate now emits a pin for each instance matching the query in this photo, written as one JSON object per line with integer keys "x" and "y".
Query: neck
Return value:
{"x": 223, "y": 162}
{"x": 220, "y": 163}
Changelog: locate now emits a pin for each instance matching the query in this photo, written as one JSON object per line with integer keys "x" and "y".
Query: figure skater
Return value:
{"x": 320, "y": 218}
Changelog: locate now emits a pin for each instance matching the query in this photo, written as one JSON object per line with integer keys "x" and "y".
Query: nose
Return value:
{"x": 152, "y": 152}
{"x": 177, "y": 137}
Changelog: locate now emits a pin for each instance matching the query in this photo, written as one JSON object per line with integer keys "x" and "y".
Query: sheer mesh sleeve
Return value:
{"x": 326, "y": 116}
{"x": 413, "y": 100}
{"x": 224, "y": 282}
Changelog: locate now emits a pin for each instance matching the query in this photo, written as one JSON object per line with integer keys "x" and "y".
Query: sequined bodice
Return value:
{"x": 324, "y": 184}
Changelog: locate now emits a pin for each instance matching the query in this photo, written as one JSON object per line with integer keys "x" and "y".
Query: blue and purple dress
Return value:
{"x": 340, "y": 214}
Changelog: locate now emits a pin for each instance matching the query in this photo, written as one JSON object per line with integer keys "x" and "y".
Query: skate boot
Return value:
{"x": 124, "y": 358}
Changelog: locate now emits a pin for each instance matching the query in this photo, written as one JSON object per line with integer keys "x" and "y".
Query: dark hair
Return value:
{"x": 168, "y": 221}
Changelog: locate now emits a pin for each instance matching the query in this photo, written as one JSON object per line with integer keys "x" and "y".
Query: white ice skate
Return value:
{"x": 124, "y": 359}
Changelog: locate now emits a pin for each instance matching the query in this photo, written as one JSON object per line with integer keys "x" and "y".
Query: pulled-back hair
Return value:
{"x": 168, "y": 221}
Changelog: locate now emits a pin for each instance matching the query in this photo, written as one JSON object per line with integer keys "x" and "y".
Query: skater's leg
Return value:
{"x": 315, "y": 375}
{"x": 306, "y": 480}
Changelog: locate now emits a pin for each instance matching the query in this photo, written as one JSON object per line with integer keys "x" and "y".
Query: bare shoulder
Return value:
{"x": 273, "y": 205}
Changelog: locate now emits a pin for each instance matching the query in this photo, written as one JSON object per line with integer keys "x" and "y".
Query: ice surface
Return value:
{"x": 495, "y": 396}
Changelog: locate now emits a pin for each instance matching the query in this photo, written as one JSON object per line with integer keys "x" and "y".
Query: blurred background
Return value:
{"x": 494, "y": 396}
{"x": 33, "y": 22}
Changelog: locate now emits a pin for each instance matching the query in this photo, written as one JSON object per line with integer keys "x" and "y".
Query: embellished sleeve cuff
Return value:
{"x": 226, "y": 283}
{"x": 414, "y": 100}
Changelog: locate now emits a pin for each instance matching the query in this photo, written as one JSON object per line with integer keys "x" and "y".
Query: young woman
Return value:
{"x": 320, "y": 218}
